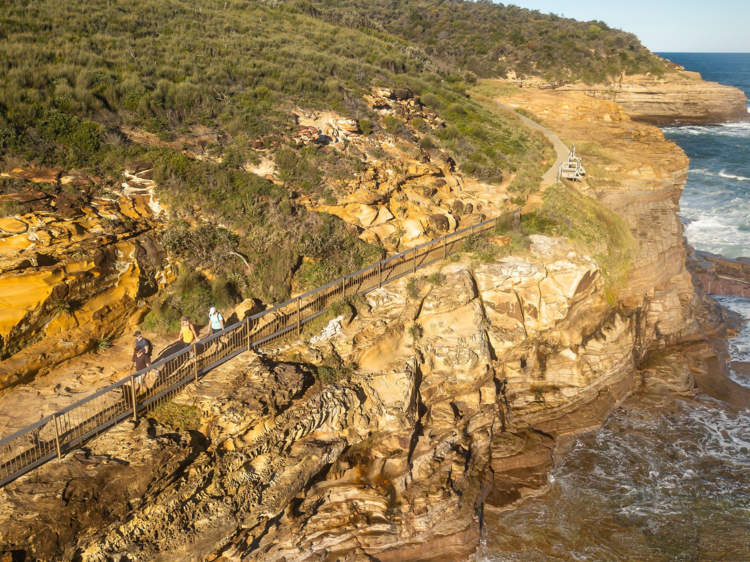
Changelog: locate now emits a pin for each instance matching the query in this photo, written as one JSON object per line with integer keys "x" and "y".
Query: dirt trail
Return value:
{"x": 550, "y": 177}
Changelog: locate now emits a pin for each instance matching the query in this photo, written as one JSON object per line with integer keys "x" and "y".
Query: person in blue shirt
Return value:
{"x": 143, "y": 343}
{"x": 216, "y": 319}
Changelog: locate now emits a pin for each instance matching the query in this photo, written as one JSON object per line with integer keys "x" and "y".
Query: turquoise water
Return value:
{"x": 716, "y": 202}
{"x": 666, "y": 479}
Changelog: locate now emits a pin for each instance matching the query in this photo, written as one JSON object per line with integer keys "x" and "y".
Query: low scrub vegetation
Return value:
{"x": 236, "y": 72}
{"x": 486, "y": 39}
{"x": 333, "y": 370}
{"x": 599, "y": 231}
{"x": 191, "y": 295}
{"x": 177, "y": 417}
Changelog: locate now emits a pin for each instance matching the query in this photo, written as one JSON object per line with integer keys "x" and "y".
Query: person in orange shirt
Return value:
{"x": 188, "y": 335}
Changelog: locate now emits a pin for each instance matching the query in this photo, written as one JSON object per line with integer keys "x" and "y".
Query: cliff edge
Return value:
{"x": 678, "y": 96}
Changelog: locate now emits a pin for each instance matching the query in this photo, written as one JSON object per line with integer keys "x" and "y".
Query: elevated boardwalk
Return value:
{"x": 71, "y": 427}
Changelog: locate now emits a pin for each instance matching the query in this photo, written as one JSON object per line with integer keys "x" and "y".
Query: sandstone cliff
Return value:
{"x": 428, "y": 401}
{"x": 76, "y": 268}
{"x": 676, "y": 96}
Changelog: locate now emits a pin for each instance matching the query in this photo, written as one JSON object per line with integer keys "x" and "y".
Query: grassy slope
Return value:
{"x": 490, "y": 39}
{"x": 75, "y": 74}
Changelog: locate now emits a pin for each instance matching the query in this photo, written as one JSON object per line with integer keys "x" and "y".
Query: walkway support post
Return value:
{"x": 57, "y": 436}
{"x": 132, "y": 397}
{"x": 298, "y": 317}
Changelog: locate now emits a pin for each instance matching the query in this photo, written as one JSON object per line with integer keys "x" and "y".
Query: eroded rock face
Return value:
{"x": 413, "y": 199}
{"x": 680, "y": 96}
{"x": 397, "y": 461}
{"x": 76, "y": 268}
{"x": 465, "y": 390}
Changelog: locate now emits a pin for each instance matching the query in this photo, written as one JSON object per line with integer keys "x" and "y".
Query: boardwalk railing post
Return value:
{"x": 249, "y": 347}
{"x": 132, "y": 397}
{"x": 195, "y": 362}
{"x": 343, "y": 287}
{"x": 380, "y": 274}
{"x": 414, "y": 266}
{"x": 298, "y": 317}
{"x": 57, "y": 436}
{"x": 443, "y": 246}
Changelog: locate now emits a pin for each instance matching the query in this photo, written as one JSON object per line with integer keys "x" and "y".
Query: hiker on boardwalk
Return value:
{"x": 217, "y": 320}
{"x": 140, "y": 359}
{"x": 143, "y": 343}
{"x": 188, "y": 335}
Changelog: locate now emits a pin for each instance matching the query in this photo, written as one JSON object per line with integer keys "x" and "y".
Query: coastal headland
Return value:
{"x": 429, "y": 400}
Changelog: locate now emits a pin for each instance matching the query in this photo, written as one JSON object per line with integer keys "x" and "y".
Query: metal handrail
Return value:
{"x": 73, "y": 425}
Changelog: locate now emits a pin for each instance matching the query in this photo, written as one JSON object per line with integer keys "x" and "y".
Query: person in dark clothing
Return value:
{"x": 140, "y": 360}
{"x": 143, "y": 343}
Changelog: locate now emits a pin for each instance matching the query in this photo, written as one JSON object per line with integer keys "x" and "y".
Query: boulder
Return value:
{"x": 439, "y": 222}
{"x": 137, "y": 166}
{"x": 402, "y": 94}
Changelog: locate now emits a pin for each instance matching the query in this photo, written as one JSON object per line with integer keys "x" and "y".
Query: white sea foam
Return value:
{"x": 702, "y": 172}
{"x": 723, "y": 174}
{"x": 739, "y": 129}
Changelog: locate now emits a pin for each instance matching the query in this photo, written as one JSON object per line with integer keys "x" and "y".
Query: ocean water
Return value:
{"x": 666, "y": 479}
{"x": 715, "y": 205}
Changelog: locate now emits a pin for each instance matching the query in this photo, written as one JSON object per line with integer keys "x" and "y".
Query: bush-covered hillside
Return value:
{"x": 92, "y": 85}
{"x": 490, "y": 39}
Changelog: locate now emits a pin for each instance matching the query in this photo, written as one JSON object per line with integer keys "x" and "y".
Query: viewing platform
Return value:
{"x": 572, "y": 169}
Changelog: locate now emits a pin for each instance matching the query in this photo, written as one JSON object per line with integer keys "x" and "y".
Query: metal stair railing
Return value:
{"x": 74, "y": 425}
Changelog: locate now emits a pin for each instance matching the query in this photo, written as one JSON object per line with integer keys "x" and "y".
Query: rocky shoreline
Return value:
{"x": 465, "y": 387}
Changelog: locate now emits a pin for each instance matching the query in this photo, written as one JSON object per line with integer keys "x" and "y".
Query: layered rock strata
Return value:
{"x": 404, "y": 197}
{"x": 446, "y": 394}
{"x": 76, "y": 267}
{"x": 676, "y": 96}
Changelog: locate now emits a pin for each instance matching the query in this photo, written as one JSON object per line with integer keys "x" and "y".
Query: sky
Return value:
{"x": 666, "y": 26}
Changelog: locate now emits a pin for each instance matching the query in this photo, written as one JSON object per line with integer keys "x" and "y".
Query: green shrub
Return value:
{"x": 365, "y": 125}
{"x": 62, "y": 307}
{"x": 11, "y": 209}
{"x": 457, "y": 110}
{"x": 538, "y": 223}
{"x": 427, "y": 143}
{"x": 414, "y": 287}
{"x": 437, "y": 279}
{"x": 177, "y": 417}
{"x": 70, "y": 131}
{"x": 333, "y": 370}
{"x": 103, "y": 344}
{"x": 393, "y": 125}
{"x": 431, "y": 101}
{"x": 416, "y": 331}
{"x": 190, "y": 295}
